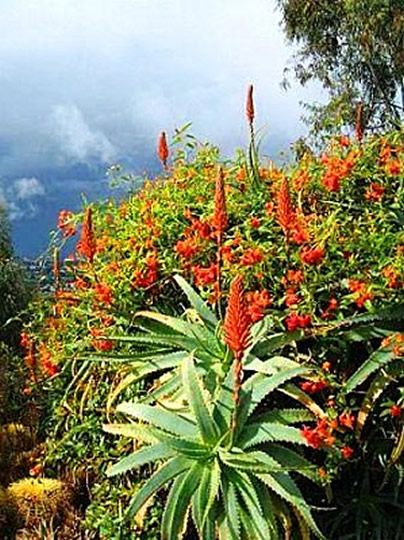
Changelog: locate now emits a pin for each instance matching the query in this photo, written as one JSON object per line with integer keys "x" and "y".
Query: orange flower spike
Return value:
{"x": 250, "y": 105}
{"x": 220, "y": 213}
{"x": 237, "y": 323}
{"x": 163, "y": 149}
{"x": 284, "y": 210}
{"x": 87, "y": 246}
{"x": 236, "y": 329}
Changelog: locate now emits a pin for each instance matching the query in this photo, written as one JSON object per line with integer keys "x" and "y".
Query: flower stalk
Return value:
{"x": 220, "y": 223}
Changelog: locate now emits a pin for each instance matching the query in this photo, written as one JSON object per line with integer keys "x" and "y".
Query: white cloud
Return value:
{"x": 16, "y": 196}
{"x": 75, "y": 137}
{"x": 25, "y": 188}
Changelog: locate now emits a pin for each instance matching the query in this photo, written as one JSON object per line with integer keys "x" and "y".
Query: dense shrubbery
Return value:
{"x": 320, "y": 247}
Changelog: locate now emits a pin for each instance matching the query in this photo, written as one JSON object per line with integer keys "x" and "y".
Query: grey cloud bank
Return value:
{"x": 84, "y": 84}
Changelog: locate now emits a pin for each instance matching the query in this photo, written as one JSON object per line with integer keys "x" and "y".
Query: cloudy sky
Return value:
{"x": 88, "y": 83}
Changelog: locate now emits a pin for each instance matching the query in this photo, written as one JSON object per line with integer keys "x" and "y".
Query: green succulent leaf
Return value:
{"x": 249, "y": 496}
{"x": 224, "y": 403}
{"x": 379, "y": 358}
{"x": 205, "y": 423}
{"x": 154, "y": 364}
{"x": 174, "y": 323}
{"x": 161, "y": 418}
{"x": 165, "y": 474}
{"x": 275, "y": 342}
{"x": 259, "y": 433}
{"x": 286, "y": 416}
{"x": 141, "y": 457}
{"x": 203, "y": 500}
{"x": 286, "y": 488}
{"x": 179, "y": 498}
{"x": 139, "y": 432}
{"x": 189, "y": 448}
{"x": 176, "y": 341}
{"x": 291, "y": 460}
{"x": 268, "y": 507}
{"x": 255, "y": 461}
{"x": 196, "y": 301}
{"x": 232, "y": 511}
{"x": 303, "y": 398}
{"x": 164, "y": 390}
{"x": 260, "y": 386}
{"x": 391, "y": 317}
{"x": 382, "y": 380}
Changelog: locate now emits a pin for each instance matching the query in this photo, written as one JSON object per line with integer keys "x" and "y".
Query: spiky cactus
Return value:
{"x": 36, "y": 500}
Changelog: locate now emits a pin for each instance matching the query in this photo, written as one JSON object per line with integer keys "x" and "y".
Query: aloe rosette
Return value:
{"x": 237, "y": 483}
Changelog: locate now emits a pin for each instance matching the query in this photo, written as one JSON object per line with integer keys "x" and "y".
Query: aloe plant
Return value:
{"x": 163, "y": 342}
{"x": 235, "y": 479}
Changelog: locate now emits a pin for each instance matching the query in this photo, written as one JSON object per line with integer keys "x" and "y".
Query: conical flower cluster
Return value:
{"x": 284, "y": 210}
{"x": 86, "y": 245}
{"x": 236, "y": 329}
{"x": 220, "y": 214}
{"x": 250, "y": 105}
{"x": 163, "y": 152}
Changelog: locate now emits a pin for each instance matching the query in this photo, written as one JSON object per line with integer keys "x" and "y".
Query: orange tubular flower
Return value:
{"x": 257, "y": 302}
{"x": 347, "y": 420}
{"x": 312, "y": 256}
{"x": 284, "y": 211}
{"x": 186, "y": 248}
{"x": 163, "y": 149}
{"x": 374, "y": 192}
{"x": 347, "y": 452}
{"x": 319, "y": 436}
{"x": 393, "y": 167}
{"x": 344, "y": 141}
{"x": 294, "y": 321}
{"x": 86, "y": 245}
{"x": 251, "y": 256}
{"x": 220, "y": 213}
{"x": 64, "y": 223}
{"x": 255, "y": 222}
{"x": 103, "y": 293}
{"x": 204, "y": 276}
{"x": 30, "y": 356}
{"x": 396, "y": 411}
{"x": 250, "y": 105}
{"x": 312, "y": 387}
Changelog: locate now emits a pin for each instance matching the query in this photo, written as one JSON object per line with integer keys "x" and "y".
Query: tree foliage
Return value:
{"x": 14, "y": 289}
{"x": 355, "y": 48}
{"x": 6, "y": 249}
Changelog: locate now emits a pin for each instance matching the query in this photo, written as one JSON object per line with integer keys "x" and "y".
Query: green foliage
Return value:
{"x": 15, "y": 293}
{"x": 355, "y": 49}
{"x": 6, "y": 248}
{"x": 14, "y": 288}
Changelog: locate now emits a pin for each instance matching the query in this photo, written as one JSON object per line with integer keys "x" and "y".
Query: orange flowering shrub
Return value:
{"x": 316, "y": 241}
{"x": 313, "y": 243}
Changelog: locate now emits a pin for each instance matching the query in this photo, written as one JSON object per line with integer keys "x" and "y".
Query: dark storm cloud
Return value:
{"x": 92, "y": 82}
